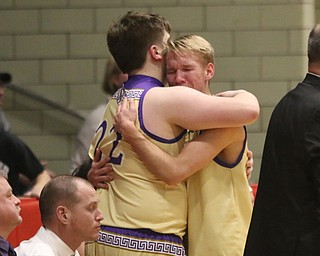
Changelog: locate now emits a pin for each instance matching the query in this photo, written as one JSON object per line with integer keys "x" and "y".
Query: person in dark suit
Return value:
{"x": 286, "y": 215}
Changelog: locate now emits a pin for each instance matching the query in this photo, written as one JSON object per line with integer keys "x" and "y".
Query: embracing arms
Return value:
{"x": 194, "y": 156}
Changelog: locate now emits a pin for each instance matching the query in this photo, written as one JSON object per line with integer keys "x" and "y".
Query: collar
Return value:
{"x": 142, "y": 82}
{"x": 55, "y": 241}
{"x": 6, "y": 247}
{"x": 313, "y": 74}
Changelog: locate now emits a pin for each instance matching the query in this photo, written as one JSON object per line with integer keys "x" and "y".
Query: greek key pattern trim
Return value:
{"x": 134, "y": 244}
{"x": 121, "y": 93}
{"x": 136, "y": 94}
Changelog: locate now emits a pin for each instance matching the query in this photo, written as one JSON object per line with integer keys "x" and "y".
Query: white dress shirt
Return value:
{"x": 44, "y": 243}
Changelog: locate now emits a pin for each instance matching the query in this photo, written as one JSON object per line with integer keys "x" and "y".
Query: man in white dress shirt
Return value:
{"x": 70, "y": 216}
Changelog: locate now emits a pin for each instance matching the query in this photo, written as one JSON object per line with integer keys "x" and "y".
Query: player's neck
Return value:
{"x": 314, "y": 68}
{"x": 150, "y": 70}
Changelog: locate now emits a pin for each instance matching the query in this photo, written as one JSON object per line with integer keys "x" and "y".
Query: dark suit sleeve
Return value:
{"x": 313, "y": 153}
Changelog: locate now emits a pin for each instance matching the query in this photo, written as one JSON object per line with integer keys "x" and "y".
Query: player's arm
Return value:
{"x": 194, "y": 156}
{"x": 98, "y": 172}
{"x": 194, "y": 110}
{"x": 101, "y": 171}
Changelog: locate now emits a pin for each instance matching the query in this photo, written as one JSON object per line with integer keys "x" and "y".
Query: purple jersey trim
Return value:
{"x": 143, "y": 234}
{"x": 142, "y": 82}
{"x": 141, "y": 240}
{"x": 146, "y": 83}
{"x": 224, "y": 164}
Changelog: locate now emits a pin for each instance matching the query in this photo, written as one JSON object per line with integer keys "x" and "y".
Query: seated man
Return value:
{"x": 9, "y": 215}
{"x": 70, "y": 216}
{"x": 17, "y": 160}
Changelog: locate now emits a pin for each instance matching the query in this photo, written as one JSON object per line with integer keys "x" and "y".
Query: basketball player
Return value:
{"x": 145, "y": 215}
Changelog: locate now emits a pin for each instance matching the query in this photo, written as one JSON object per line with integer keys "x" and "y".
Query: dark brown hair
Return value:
{"x": 131, "y": 36}
{"x": 314, "y": 45}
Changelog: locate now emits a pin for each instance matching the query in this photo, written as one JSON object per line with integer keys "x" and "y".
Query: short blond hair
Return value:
{"x": 192, "y": 43}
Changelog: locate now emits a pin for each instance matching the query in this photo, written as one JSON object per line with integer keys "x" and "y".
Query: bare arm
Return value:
{"x": 193, "y": 110}
{"x": 166, "y": 167}
{"x": 40, "y": 182}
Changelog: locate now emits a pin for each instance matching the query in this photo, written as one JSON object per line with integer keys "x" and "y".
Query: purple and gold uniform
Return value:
{"x": 219, "y": 208}
{"x": 142, "y": 215}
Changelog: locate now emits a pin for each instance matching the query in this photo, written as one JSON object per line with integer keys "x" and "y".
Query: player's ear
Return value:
{"x": 155, "y": 52}
{"x": 210, "y": 71}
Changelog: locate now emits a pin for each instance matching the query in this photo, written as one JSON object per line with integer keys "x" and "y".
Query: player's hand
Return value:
{"x": 126, "y": 117}
{"x": 249, "y": 164}
{"x": 101, "y": 171}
